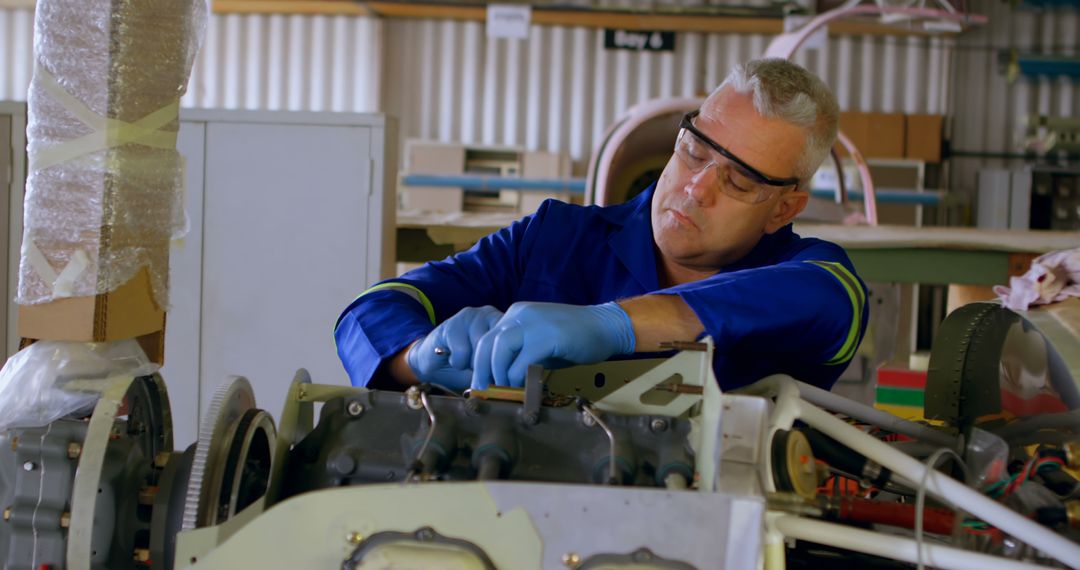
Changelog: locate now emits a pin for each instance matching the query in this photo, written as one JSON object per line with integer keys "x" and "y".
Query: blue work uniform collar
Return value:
{"x": 633, "y": 241}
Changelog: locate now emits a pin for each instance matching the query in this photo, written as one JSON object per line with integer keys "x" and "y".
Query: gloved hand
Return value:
{"x": 443, "y": 357}
{"x": 532, "y": 333}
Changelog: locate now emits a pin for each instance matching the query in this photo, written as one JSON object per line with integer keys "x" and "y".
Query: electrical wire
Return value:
{"x": 920, "y": 497}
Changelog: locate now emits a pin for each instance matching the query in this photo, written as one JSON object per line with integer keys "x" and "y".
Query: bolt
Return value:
{"x": 74, "y": 450}
{"x": 587, "y": 419}
{"x": 161, "y": 459}
{"x": 425, "y": 534}
{"x": 412, "y": 398}
{"x": 343, "y": 464}
{"x": 142, "y": 555}
{"x": 147, "y": 494}
{"x": 65, "y": 520}
{"x": 354, "y": 538}
{"x": 571, "y": 560}
{"x": 7, "y": 514}
{"x": 29, "y": 466}
{"x": 354, "y": 408}
{"x": 658, "y": 424}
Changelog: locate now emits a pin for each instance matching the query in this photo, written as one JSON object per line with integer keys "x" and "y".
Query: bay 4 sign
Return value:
{"x": 639, "y": 40}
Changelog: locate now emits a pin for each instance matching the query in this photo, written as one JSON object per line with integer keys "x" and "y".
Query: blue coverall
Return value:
{"x": 792, "y": 305}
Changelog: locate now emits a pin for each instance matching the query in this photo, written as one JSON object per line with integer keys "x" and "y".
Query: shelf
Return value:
{"x": 733, "y": 20}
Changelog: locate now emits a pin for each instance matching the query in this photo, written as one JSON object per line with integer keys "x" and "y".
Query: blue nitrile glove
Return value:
{"x": 444, "y": 355}
{"x": 533, "y": 333}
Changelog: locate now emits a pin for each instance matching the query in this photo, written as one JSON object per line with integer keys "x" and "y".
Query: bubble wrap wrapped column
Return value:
{"x": 105, "y": 187}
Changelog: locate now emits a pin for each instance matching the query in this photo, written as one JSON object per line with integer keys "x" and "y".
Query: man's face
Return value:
{"x": 696, "y": 225}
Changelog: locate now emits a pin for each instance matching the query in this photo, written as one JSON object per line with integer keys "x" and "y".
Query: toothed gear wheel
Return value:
{"x": 228, "y": 406}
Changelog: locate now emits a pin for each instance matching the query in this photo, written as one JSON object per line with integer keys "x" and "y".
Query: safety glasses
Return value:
{"x": 734, "y": 177}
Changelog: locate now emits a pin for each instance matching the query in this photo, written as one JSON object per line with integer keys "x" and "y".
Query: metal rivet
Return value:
{"x": 659, "y": 424}
{"x": 571, "y": 559}
{"x": 29, "y": 466}
{"x": 354, "y": 538}
{"x": 354, "y": 409}
{"x": 74, "y": 450}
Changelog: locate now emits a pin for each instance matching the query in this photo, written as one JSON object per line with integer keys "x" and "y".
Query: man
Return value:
{"x": 709, "y": 249}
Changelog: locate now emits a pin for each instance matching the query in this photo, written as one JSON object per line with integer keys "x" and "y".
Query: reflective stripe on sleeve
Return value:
{"x": 858, "y": 301}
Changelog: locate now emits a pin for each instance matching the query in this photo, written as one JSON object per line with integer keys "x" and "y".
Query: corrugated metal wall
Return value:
{"x": 313, "y": 63}
{"x": 17, "y": 55}
{"x": 296, "y": 63}
{"x": 559, "y": 89}
{"x": 988, "y": 109}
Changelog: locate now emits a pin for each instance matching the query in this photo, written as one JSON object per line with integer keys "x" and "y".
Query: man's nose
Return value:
{"x": 702, "y": 186}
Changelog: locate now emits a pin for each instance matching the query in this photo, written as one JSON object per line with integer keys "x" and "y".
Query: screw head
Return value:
{"x": 354, "y": 538}
{"x": 74, "y": 450}
{"x": 659, "y": 424}
{"x": 571, "y": 559}
{"x": 531, "y": 418}
{"x": 29, "y": 466}
{"x": 354, "y": 408}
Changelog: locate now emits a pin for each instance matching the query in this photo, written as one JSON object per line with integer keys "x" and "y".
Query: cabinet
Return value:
{"x": 291, "y": 216}
{"x": 13, "y": 175}
{"x": 1036, "y": 197}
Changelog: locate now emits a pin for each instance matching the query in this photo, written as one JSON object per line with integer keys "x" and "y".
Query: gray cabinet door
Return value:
{"x": 288, "y": 225}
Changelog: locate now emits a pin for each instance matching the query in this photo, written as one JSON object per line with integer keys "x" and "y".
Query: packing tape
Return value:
{"x": 62, "y": 284}
{"x": 105, "y": 132}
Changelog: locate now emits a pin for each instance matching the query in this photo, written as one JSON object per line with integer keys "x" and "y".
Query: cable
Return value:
{"x": 417, "y": 468}
{"x": 920, "y": 497}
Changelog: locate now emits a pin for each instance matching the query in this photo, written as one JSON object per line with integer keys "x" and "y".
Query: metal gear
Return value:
{"x": 231, "y": 465}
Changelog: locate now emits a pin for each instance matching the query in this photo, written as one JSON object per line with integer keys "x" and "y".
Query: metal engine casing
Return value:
{"x": 377, "y": 442}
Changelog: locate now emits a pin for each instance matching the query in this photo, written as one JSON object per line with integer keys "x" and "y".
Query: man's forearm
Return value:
{"x": 399, "y": 368}
{"x": 661, "y": 318}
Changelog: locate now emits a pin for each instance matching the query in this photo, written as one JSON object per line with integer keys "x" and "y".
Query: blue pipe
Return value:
{"x": 476, "y": 182}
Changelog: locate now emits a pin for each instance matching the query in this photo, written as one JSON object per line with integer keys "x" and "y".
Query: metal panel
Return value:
{"x": 296, "y": 62}
{"x": 989, "y": 110}
{"x": 559, "y": 89}
{"x": 17, "y": 54}
{"x": 11, "y": 218}
{"x": 7, "y": 175}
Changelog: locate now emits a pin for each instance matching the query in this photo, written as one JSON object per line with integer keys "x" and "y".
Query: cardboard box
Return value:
{"x": 129, "y": 311}
{"x": 876, "y": 135}
{"x": 923, "y": 137}
{"x": 433, "y": 158}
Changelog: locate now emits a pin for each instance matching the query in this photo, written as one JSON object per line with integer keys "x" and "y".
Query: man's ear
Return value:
{"x": 786, "y": 208}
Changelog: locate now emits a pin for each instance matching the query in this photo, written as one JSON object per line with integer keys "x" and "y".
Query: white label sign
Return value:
{"x": 508, "y": 21}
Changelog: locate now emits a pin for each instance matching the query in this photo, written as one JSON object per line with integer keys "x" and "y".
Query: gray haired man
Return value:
{"x": 709, "y": 249}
